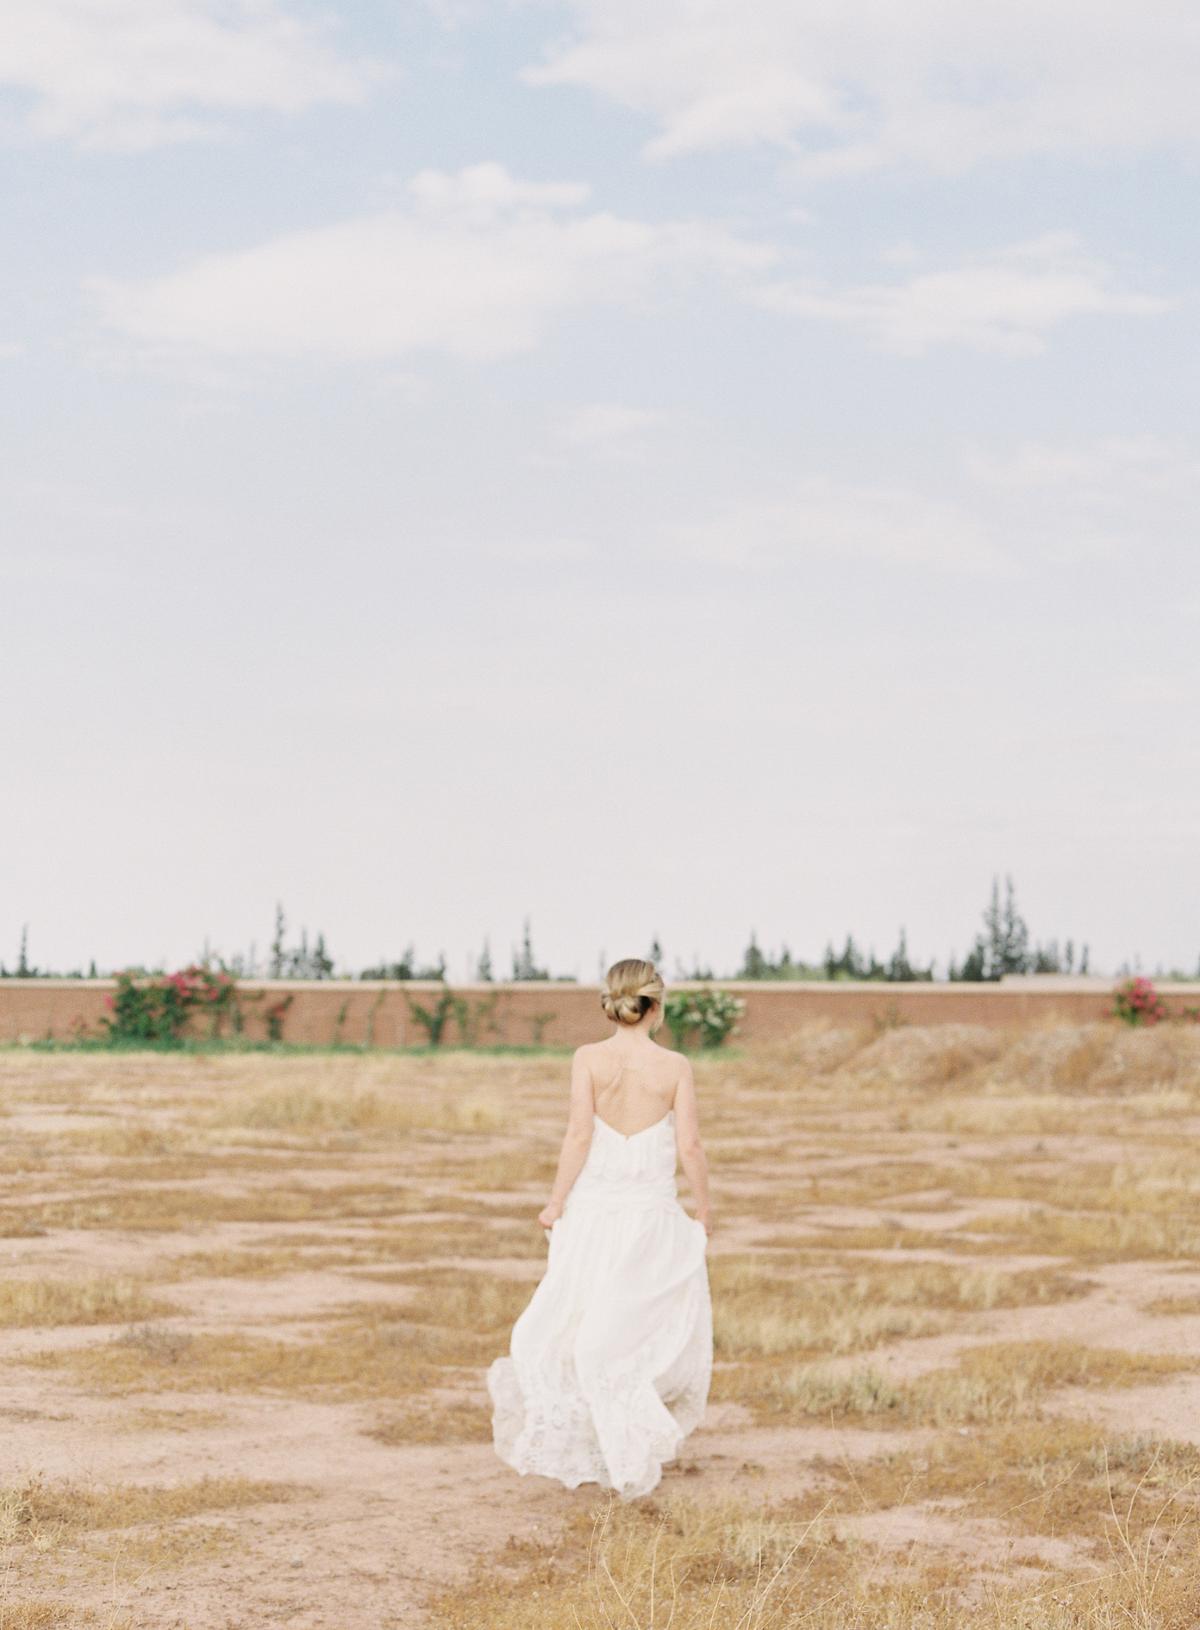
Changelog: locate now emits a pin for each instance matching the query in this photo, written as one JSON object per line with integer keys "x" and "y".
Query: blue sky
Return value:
{"x": 666, "y": 470}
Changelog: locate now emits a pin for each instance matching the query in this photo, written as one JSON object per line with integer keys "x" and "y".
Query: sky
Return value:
{"x": 667, "y": 471}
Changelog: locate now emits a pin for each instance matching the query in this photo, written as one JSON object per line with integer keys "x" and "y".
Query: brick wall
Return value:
{"x": 564, "y": 1015}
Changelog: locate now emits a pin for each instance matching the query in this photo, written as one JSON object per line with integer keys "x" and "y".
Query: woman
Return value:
{"x": 610, "y": 1362}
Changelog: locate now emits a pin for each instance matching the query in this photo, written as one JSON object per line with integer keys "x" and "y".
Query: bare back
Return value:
{"x": 632, "y": 1089}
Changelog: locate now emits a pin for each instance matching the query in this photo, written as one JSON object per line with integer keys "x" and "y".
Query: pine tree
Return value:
{"x": 754, "y": 964}
{"x": 278, "y": 953}
{"x": 322, "y": 961}
{"x": 656, "y": 952}
{"x": 483, "y": 970}
{"x": 899, "y": 968}
{"x": 524, "y": 964}
{"x": 974, "y": 965}
{"x": 1014, "y": 947}
{"x": 24, "y": 971}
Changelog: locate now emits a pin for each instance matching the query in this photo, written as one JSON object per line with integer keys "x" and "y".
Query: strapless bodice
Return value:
{"x": 628, "y": 1169}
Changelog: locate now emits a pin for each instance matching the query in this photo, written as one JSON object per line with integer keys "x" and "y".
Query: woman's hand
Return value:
{"x": 705, "y": 1217}
{"x": 549, "y": 1214}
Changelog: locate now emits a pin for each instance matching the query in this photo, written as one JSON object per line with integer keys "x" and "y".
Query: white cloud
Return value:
{"x": 1107, "y": 498}
{"x": 477, "y": 265}
{"x": 1006, "y": 301}
{"x": 823, "y": 517}
{"x": 131, "y": 74}
{"x": 601, "y": 424}
{"x": 852, "y": 85}
{"x": 1063, "y": 504}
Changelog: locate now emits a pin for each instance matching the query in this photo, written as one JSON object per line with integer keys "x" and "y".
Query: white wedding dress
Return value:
{"x": 610, "y": 1363}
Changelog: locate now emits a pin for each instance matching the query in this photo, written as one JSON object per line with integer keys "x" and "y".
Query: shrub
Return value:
{"x": 157, "y": 1009}
{"x": 703, "y": 1017}
{"x": 1137, "y": 1002}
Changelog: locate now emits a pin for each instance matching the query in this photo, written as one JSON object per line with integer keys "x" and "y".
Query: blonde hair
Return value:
{"x": 630, "y": 987}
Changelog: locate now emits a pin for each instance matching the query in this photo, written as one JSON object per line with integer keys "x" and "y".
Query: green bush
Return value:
{"x": 702, "y": 1017}
{"x": 158, "y": 1009}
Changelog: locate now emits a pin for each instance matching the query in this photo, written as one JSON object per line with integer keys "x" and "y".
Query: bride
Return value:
{"x": 610, "y": 1363}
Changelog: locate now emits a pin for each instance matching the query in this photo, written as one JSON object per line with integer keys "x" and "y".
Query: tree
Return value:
{"x": 523, "y": 961}
{"x": 322, "y": 962}
{"x": 754, "y": 964}
{"x": 974, "y": 964}
{"x": 278, "y": 954}
{"x": 407, "y": 968}
{"x": 656, "y": 952}
{"x": 1003, "y": 947}
{"x": 1006, "y": 936}
{"x": 899, "y": 967}
{"x": 483, "y": 969}
{"x": 850, "y": 964}
{"x": 24, "y": 971}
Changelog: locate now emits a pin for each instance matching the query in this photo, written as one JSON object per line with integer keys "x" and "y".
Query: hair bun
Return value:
{"x": 630, "y": 989}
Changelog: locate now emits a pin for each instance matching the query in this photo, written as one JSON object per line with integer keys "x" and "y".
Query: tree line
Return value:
{"x": 1003, "y": 945}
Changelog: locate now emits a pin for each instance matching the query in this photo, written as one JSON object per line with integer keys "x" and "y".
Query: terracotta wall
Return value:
{"x": 563, "y": 1015}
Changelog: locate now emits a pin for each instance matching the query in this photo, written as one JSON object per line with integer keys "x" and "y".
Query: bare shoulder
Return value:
{"x": 582, "y": 1059}
{"x": 680, "y": 1066}
{"x": 680, "y": 1063}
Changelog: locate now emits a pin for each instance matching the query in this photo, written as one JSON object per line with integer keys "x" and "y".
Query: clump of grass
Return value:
{"x": 428, "y": 1418}
{"x": 366, "y": 1351}
{"x": 764, "y": 1309}
{"x": 1173, "y": 1306}
{"x": 151, "y": 1419}
{"x": 678, "y": 1563}
{"x": 47, "y": 1614}
{"x": 1000, "y": 1381}
{"x": 171, "y": 1209}
{"x": 39, "y": 1512}
{"x": 1093, "y": 1236}
{"x": 1051, "y": 1476}
{"x": 308, "y": 1108}
{"x": 98, "y": 1300}
{"x": 672, "y": 1562}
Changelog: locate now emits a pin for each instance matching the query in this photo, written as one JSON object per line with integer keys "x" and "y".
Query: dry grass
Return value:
{"x": 98, "y": 1300}
{"x": 700, "y": 1565}
{"x": 948, "y": 1150}
{"x": 1001, "y": 1381}
{"x": 49, "y": 1614}
{"x": 1092, "y": 1237}
{"x": 41, "y": 1513}
{"x": 367, "y": 1351}
{"x": 772, "y": 1307}
{"x": 172, "y": 1209}
{"x": 1173, "y": 1306}
{"x": 307, "y": 1108}
{"x": 1049, "y": 1477}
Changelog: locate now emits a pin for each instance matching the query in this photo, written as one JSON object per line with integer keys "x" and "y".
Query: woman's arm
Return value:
{"x": 687, "y": 1141}
{"x": 576, "y": 1142}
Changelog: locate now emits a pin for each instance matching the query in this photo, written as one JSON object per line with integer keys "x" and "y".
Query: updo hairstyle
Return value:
{"x": 630, "y": 989}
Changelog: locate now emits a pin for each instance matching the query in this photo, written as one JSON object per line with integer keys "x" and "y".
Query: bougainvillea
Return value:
{"x": 157, "y": 1008}
{"x": 1137, "y": 1002}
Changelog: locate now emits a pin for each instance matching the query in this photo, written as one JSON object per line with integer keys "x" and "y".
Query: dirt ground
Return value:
{"x": 247, "y": 1302}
